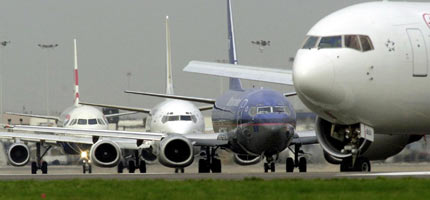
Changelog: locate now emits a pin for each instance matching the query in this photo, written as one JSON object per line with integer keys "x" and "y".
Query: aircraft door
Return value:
{"x": 419, "y": 53}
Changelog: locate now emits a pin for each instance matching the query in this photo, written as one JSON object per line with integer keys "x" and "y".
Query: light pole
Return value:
{"x": 3, "y": 45}
{"x": 47, "y": 47}
{"x": 128, "y": 86}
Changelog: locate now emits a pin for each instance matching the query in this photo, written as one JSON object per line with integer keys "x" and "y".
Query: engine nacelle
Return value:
{"x": 331, "y": 140}
{"x": 244, "y": 159}
{"x": 176, "y": 151}
{"x": 18, "y": 154}
{"x": 105, "y": 153}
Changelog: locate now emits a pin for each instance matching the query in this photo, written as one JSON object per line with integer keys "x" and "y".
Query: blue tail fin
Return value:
{"x": 234, "y": 83}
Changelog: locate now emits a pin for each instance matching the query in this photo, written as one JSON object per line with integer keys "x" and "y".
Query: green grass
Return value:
{"x": 248, "y": 189}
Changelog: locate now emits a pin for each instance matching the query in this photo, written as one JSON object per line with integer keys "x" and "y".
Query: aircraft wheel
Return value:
{"x": 90, "y": 169}
{"x": 44, "y": 167}
{"x": 272, "y": 167}
{"x": 120, "y": 168}
{"x": 216, "y": 165}
{"x": 33, "y": 167}
{"x": 131, "y": 167}
{"x": 302, "y": 164}
{"x": 142, "y": 166}
{"x": 289, "y": 165}
{"x": 204, "y": 166}
{"x": 362, "y": 164}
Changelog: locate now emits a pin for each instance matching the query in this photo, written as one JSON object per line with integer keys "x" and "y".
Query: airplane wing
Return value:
{"x": 120, "y": 114}
{"x": 243, "y": 72}
{"x": 134, "y": 109}
{"x": 305, "y": 137}
{"x": 35, "y": 116}
{"x": 198, "y": 139}
{"x": 170, "y": 96}
{"x": 47, "y": 138}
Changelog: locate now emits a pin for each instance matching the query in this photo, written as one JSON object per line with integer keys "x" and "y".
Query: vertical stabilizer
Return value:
{"x": 169, "y": 79}
{"x": 76, "y": 90}
{"x": 234, "y": 83}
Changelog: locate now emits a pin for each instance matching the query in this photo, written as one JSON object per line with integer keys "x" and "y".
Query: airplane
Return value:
{"x": 260, "y": 122}
{"x": 364, "y": 71}
{"x": 75, "y": 116}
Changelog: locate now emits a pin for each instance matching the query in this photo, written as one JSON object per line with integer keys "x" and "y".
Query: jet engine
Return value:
{"x": 18, "y": 154}
{"x": 336, "y": 140}
{"x": 176, "y": 151}
{"x": 105, "y": 153}
{"x": 245, "y": 159}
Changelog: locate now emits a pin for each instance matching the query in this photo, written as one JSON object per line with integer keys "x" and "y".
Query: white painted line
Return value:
{"x": 389, "y": 174}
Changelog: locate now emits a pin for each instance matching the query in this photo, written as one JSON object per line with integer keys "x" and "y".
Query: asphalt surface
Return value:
{"x": 230, "y": 172}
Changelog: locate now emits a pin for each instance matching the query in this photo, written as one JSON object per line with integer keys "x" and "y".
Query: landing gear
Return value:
{"x": 210, "y": 162}
{"x": 298, "y": 161}
{"x": 132, "y": 163}
{"x": 269, "y": 165}
{"x": 179, "y": 170}
{"x": 131, "y": 167}
{"x": 142, "y": 166}
{"x": 361, "y": 164}
{"x": 120, "y": 168}
{"x": 86, "y": 167}
{"x": 39, "y": 163}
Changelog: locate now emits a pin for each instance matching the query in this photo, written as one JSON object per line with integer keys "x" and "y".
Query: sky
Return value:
{"x": 120, "y": 37}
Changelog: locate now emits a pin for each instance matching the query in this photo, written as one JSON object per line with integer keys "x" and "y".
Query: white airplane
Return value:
{"x": 364, "y": 71}
{"x": 76, "y": 116}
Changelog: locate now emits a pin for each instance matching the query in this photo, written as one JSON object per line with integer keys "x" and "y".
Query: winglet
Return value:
{"x": 234, "y": 83}
{"x": 76, "y": 91}
{"x": 169, "y": 79}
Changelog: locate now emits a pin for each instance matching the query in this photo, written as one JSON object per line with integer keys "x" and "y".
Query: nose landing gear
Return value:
{"x": 209, "y": 162}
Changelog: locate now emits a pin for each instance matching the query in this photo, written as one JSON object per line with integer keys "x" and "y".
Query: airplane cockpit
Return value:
{"x": 92, "y": 121}
{"x": 253, "y": 111}
{"x": 361, "y": 43}
{"x": 187, "y": 117}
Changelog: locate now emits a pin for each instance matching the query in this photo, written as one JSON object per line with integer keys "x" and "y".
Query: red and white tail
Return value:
{"x": 76, "y": 90}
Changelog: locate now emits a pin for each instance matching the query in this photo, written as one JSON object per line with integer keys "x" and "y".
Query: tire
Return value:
{"x": 216, "y": 165}
{"x": 266, "y": 167}
{"x": 302, "y": 164}
{"x": 142, "y": 166}
{"x": 203, "y": 166}
{"x": 362, "y": 165}
{"x": 289, "y": 165}
{"x": 44, "y": 167}
{"x": 90, "y": 169}
{"x": 131, "y": 167}
{"x": 84, "y": 170}
{"x": 345, "y": 165}
{"x": 33, "y": 168}
{"x": 272, "y": 167}
{"x": 120, "y": 168}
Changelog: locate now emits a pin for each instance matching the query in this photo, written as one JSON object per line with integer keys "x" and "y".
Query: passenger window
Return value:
{"x": 351, "y": 41}
{"x": 330, "y": 42}
{"x": 82, "y": 121}
{"x": 310, "y": 42}
{"x": 92, "y": 121}
{"x": 366, "y": 43}
{"x": 185, "y": 118}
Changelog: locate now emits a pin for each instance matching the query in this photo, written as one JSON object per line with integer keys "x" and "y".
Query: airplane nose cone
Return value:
{"x": 313, "y": 77}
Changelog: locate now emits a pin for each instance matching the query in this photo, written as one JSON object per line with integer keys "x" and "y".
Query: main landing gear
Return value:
{"x": 209, "y": 162}
{"x": 298, "y": 161}
{"x": 39, "y": 164}
{"x": 133, "y": 163}
{"x": 361, "y": 164}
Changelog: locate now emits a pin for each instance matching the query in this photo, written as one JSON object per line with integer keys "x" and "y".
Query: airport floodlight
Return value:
{"x": 47, "y": 46}
{"x": 4, "y": 43}
{"x": 261, "y": 44}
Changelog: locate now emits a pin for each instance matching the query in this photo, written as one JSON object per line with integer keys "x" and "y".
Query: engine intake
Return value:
{"x": 176, "y": 151}
{"x": 18, "y": 154}
{"x": 105, "y": 153}
{"x": 245, "y": 159}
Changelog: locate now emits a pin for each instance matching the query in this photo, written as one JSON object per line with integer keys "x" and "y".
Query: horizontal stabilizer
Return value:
{"x": 240, "y": 71}
{"x": 142, "y": 110}
{"x": 169, "y": 96}
{"x": 34, "y": 116}
{"x": 290, "y": 94}
{"x": 121, "y": 114}
{"x": 204, "y": 108}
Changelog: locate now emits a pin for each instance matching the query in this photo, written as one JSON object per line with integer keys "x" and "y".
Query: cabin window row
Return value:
{"x": 358, "y": 42}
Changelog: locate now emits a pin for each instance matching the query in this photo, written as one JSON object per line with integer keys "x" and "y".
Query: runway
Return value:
{"x": 230, "y": 172}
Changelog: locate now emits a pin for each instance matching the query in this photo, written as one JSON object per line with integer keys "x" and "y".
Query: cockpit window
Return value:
{"x": 330, "y": 42}
{"x": 366, "y": 43}
{"x": 173, "y": 118}
{"x": 264, "y": 110}
{"x": 310, "y": 43}
{"x": 92, "y": 121}
{"x": 351, "y": 41}
{"x": 100, "y": 121}
{"x": 82, "y": 121}
{"x": 268, "y": 109}
{"x": 179, "y": 118}
{"x": 73, "y": 122}
{"x": 185, "y": 118}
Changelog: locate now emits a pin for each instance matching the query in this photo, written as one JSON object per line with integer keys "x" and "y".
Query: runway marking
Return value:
{"x": 390, "y": 174}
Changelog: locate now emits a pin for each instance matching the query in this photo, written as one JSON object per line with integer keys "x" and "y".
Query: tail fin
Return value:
{"x": 76, "y": 90}
{"x": 169, "y": 79}
{"x": 234, "y": 83}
